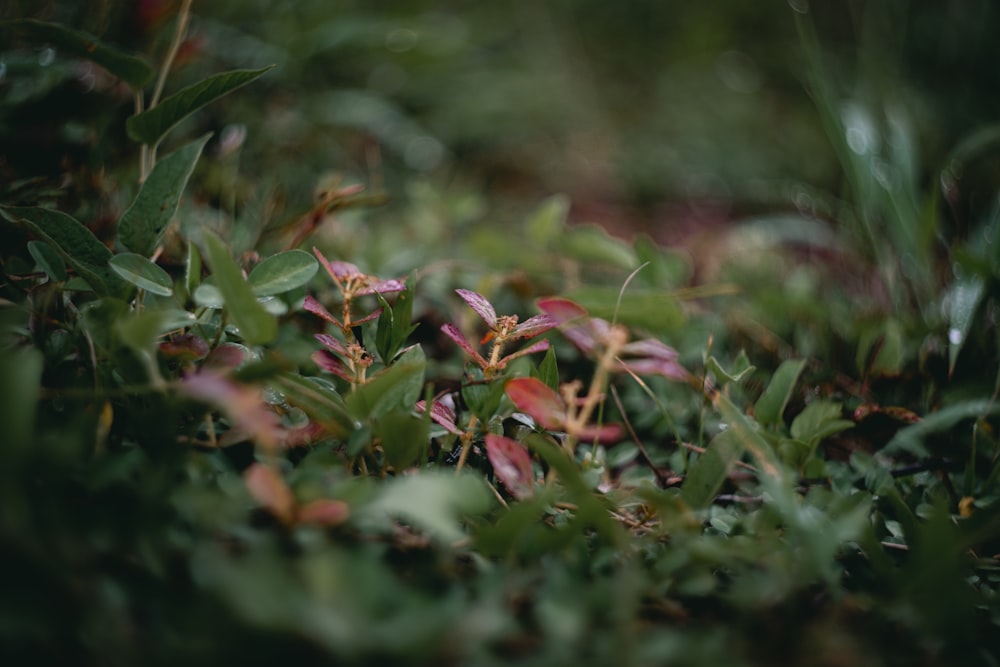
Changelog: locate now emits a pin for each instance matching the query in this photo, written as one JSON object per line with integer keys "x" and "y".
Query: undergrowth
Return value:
{"x": 225, "y": 439}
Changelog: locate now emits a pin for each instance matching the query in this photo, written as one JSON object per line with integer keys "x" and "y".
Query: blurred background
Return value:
{"x": 663, "y": 116}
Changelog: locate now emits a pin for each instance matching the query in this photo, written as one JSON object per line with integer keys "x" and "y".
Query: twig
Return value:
{"x": 661, "y": 476}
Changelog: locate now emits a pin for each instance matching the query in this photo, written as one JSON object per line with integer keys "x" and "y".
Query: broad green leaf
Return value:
{"x": 142, "y": 273}
{"x": 142, "y": 225}
{"x": 323, "y": 405}
{"x": 548, "y": 221}
{"x": 434, "y": 502}
{"x": 132, "y": 69}
{"x": 77, "y": 244}
{"x": 207, "y": 295}
{"x": 20, "y": 384}
{"x": 706, "y": 476}
{"x": 49, "y": 259}
{"x": 665, "y": 268}
{"x": 149, "y": 126}
{"x": 403, "y": 437}
{"x": 592, "y": 244}
{"x": 398, "y": 386}
{"x": 282, "y": 273}
{"x": 819, "y": 420}
{"x": 771, "y": 405}
{"x": 256, "y": 325}
{"x": 655, "y": 310}
{"x": 964, "y": 299}
{"x": 140, "y": 330}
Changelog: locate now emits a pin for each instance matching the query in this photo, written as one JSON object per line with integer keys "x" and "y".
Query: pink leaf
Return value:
{"x": 268, "y": 488}
{"x": 383, "y": 287}
{"x": 605, "y": 434}
{"x": 534, "y": 397}
{"x": 331, "y": 343}
{"x": 650, "y": 347}
{"x": 452, "y": 332}
{"x": 441, "y": 414}
{"x": 512, "y": 465}
{"x": 328, "y": 362}
{"x": 225, "y": 357}
{"x": 668, "y": 368}
{"x": 243, "y": 405}
{"x": 324, "y": 512}
{"x": 316, "y": 308}
{"x": 573, "y": 321}
{"x": 479, "y": 304}
{"x": 540, "y": 346}
{"x": 186, "y": 347}
{"x": 533, "y": 326}
{"x": 367, "y": 318}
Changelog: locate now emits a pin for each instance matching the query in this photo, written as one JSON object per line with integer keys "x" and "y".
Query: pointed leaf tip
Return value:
{"x": 512, "y": 465}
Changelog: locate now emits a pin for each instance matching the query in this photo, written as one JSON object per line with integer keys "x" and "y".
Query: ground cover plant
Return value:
{"x": 240, "y": 425}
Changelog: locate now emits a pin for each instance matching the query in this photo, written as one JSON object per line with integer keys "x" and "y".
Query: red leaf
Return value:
{"x": 328, "y": 362}
{"x": 331, "y": 343}
{"x": 533, "y": 326}
{"x": 540, "y": 346}
{"x": 225, "y": 357}
{"x": 534, "y": 397}
{"x": 383, "y": 287}
{"x": 512, "y": 465}
{"x": 441, "y": 414}
{"x": 269, "y": 489}
{"x": 316, "y": 308}
{"x": 479, "y": 304}
{"x": 324, "y": 512}
{"x": 605, "y": 434}
{"x": 452, "y": 332}
{"x": 574, "y": 322}
{"x": 243, "y": 404}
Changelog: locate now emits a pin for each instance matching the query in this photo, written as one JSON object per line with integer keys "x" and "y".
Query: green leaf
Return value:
{"x": 649, "y": 309}
{"x": 321, "y": 403}
{"x": 403, "y": 437}
{"x": 396, "y": 387}
{"x": 20, "y": 384}
{"x": 548, "y": 370}
{"x": 256, "y": 325}
{"x": 964, "y": 299}
{"x": 819, "y": 420}
{"x": 706, "y": 476}
{"x": 49, "y": 259}
{"x": 771, "y": 405}
{"x": 548, "y": 221}
{"x": 434, "y": 502}
{"x": 142, "y": 225}
{"x": 132, "y": 69}
{"x": 740, "y": 369}
{"x": 149, "y": 126}
{"x": 282, "y": 273}
{"x": 750, "y": 437}
{"x": 142, "y": 273}
{"x": 140, "y": 330}
{"x": 192, "y": 269}
{"x": 911, "y": 438}
{"x": 592, "y": 244}
{"x": 77, "y": 244}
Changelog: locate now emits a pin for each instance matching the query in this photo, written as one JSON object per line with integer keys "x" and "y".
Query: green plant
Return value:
{"x": 216, "y": 451}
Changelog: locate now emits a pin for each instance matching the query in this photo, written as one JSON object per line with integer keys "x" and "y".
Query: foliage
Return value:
{"x": 221, "y": 446}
